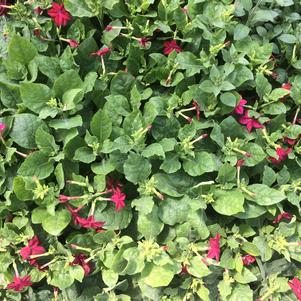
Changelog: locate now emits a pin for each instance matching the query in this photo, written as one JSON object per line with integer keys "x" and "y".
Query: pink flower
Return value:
{"x": 108, "y": 28}
{"x": 214, "y": 249}
{"x": 282, "y": 215}
{"x": 118, "y": 198}
{"x": 2, "y": 127}
{"x": 282, "y": 155}
{"x": 32, "y": 248}
{"x": 101, "y": 52}
{"x": 3, "y": 7}
{"x": 248, "y": 259}
{"x": 143, "y": 41}
{"x": 89, "y": 223}
{"x": 74, "y": 213}
{"x": 170, "y": 46}
{"x": 80, "y": 259}
{"x": 295, "y": 285}
{"x": 289, "y": 141}
{"x": 59, "y": 15}
{"x": 197, "y": 109}
{"x": 72, "y": 43}
{"x": 240, "y": 162}
{"x": 19, "y": 283}
{"x": 249, "y": 122}
{"x": 239, "y": 109}
{"x": 112, "y": 183}
{"x": 287, "y": 86}
{"x": 38, "y": 10}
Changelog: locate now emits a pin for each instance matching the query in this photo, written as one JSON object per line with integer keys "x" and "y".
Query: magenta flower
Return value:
{"x": 281, "y": 216}
{"x": 59, "y": 14}
{"x": 289, "y": 141}
{"x": 295, "y": 285}
{"x": 80, "y": 259}
{"x": 170, "y": 46}
{"x": 89, "y": 223}
{"x": 101, "y": 52}
{"x": 286, "y": 86}
{"x": 72, "y": 43}
{"x": 249, "y": 122}
{"x": 118, "y": 198}
{"x": 2, "y": 127}
{"x": 3, "y": 7}
{"x": 239, "y": 109}
{"x": 240, "y": 162}
{"x": 19, "y": 283}
{"x": 214, "y": 249}
{"x": 282, "y": 155}
{"x": 108, "y": 28}
{"x": 33, "y": 248}
{"x": 248, "y": 259}
{"x": 143, "y": 41}
{"x": 197, "y": 109}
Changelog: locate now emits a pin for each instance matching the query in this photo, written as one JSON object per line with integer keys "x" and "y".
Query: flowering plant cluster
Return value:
{"x": 150, "y": 150}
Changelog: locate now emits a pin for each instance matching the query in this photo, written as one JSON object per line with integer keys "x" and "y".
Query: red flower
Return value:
{"x": 169, "y": 46}
{"x": 19, "y": 283}
{"x": 282, "y": 155}
{"x": 282, "y": 215}
{"x": 239, "y": 109}
{"x": 249, "y": 122}
{"x": 112, "y": 183}
{"x": 101, "y": 52}
{"x": 240, "y": 162}
{"x": 143, "y": 41}
{"x": 74, "y": 213}
{"x": 59, "y": 15}
{"x": 32, "y": 248}
{"x": 108, "y": 28}
{"x": 184, "y": 270}
{"x": 248, "y": 259}
{"x": 197, "y": 109}
{"x": 89, "y": 223}
{"x": 3, "y": 7}
{"x": 38, "y": 10}
{"x": 295, "y": 285}
{"x": 214, "y": 249}
{"x": 287, "y": 86}
{"x": 80, "y": 259}
{"x": 289, "y": 140}
{"x": 118, "y": 198}
{"x": 72, "y": 43}
{"x": 2, "y": 127}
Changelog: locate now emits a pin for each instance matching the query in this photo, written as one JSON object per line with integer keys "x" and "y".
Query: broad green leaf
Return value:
{"x": 66, "y": 123}
{"x": 265, "y": 195}
{"x": 45, "y": 141}
{"x": 202, "y": 163}
{"x": 197, "y": 268}
{"x": 228, "y": 202}
{"x": 246, "y": 276}
{"x": 24, "y": 128}
{"x": 250, "y": 248}
{"x": 54, "y": 225}
{"x": 101, "y": 125}
{"x": 20, "y": 190}
{"x": 151, "y": 272}
{"x": 21, "y": 50}
{"x": 35, "y": 96}
{"x": 78, "y": 8}
{"x": 241, "y": 31}
{"x": 136, "y": 168}
{"x": 36, "y": 165}
{"x": 189, "y": 62}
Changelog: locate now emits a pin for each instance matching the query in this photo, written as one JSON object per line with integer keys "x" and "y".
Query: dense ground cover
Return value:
{"x": 150, "y": 150}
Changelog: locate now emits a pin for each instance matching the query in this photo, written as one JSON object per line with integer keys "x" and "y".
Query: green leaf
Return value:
{"x": 228, "y": 99}
{"x": 45, "y": 141}
{"x": 54, "y": 225}
{"x": 257, "y": 154}
{"x": 228, "y": 202}
{"x": 24, "y": 128}
{"x": 241, "y": 293}
{"x": 287, "y": 38}
{"x": 78, "y": 8}
{"x": 66, "y": 123}
{"x": 136, "y": 168}
{"x": 110, "y": 35}
{"x": 101, "y": 125}
{"x": 265, "y": 195}
{"x": 189, "y": 62}
{"x": 152, "y": 150}
{"x": 19, "y": 188}
{"x": 246, "y": 276}
{"x": 241, "y": 31}
{"x": 84, "y": 154}
{"x": 151, "y": 272}
{"x": 250, "y": 248}
{"x": 36, "y": 165}
{"x": 21, "y": 50}
{"x": 197, "y": 268}
{"x": 174, "y": 211}
{"x": 278, "y": 93}
{"x": 202, "y": 163}
{"x": 67, "y": 81}
{"x": 149, "y": 225}
{"x": 109, "y": 277}
{"x": 35, "y": 96}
